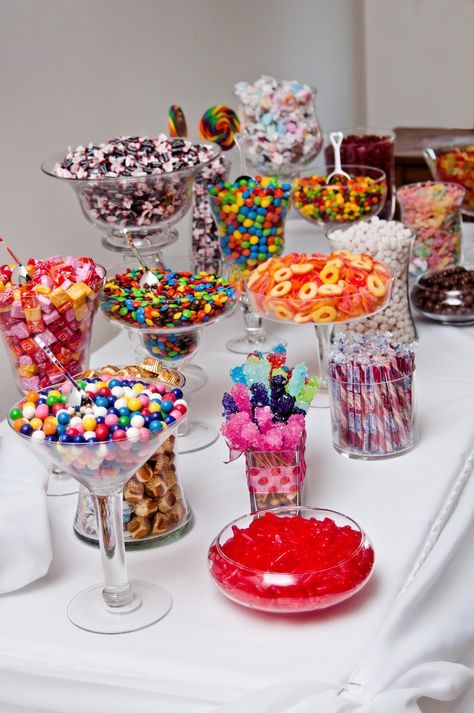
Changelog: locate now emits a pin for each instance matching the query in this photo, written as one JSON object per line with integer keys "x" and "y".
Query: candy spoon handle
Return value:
{"x": 78, "y": 396}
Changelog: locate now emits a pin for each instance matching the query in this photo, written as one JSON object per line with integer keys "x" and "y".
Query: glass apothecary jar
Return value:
{"x": 390, "y": 242}
{"x": 433, "y": 212}
{"x": 276, "y": 478}
{"x": 155, "y": 509}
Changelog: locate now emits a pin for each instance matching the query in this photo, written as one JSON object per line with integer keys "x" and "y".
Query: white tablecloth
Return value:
{"x": 207, "y": 652}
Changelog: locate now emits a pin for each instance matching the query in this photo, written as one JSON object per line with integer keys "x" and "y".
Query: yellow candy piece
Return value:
{"x": 324, "y": 314}
{"x": 375, "y": 286}
{"x": 36, "y": 423}
{"x": 134, "y": 404}
{"x": 138, "y": 388}
{"x": 89, "y": 423}
{"x": 153, "y": 406}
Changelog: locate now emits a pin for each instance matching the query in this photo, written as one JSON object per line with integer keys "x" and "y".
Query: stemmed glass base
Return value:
{"x": 150, "y": 603}
{"x": 196, "y": 435}
{"x": 323, "y": 340}
{"x": 149, "y": 245}
{"x": 60, "y": 483}
{"x": 255, "y": 337}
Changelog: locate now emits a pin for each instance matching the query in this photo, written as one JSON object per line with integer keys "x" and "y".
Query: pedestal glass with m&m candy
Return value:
{"x": 134, "y": 185}
{"x": 57, "y": 304}
{"x": 103, "y": 457}
{"x": 250, "y": 215}
{"x": 433, "y": 212}
{"x": 169, "y": 317}
{"x": 341, "y": 201}
{"x": 290, "y": 560}
{"x": 364, "y": 146}
{"x": 320, "y": 290}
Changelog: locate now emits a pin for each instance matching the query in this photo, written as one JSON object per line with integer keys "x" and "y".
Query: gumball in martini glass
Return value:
{"x": 103, "y": 458}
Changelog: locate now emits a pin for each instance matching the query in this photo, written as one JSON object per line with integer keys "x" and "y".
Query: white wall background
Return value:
{"x": 76, "y": 70}
{"x": 419, "y": 63}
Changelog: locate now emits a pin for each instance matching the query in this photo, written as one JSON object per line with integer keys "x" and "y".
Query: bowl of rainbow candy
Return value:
{"x": 340, "y": 201}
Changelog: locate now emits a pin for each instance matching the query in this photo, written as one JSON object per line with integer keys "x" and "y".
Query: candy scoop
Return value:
{"x": 148, "y": 279}
{"x": 336, "y": 138}
{"x": 22, "y": 273}
{"x": 77, "y": 397}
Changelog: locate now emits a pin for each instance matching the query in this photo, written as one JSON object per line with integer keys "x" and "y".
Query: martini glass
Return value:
{"x": 145, "y": 207}
{"x": 177, "y": 344}
{"x": 103, "y": 468}
{"x": 323, "y": 313}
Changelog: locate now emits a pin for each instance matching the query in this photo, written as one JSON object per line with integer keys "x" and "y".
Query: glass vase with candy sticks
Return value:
{"x": 250, "y": 215}
{"x": 138, "y": 186}
{"x": 169, "y": 317}
{"x": 52, "y": 307}
{"x": 320, "y": 290}
{"x": 103, "y": 459}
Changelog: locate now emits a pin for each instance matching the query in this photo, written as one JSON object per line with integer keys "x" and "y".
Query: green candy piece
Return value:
{"x": 15, "y": 414}
{"x": 124, "y": 420}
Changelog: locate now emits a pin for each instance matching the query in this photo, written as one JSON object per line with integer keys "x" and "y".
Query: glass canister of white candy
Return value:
{"x": 390, "y": 242}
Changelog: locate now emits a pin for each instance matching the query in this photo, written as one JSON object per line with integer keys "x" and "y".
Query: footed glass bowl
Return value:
{"x": 341, "y": 202}
{"x": 446, "y": 296}
{"x": 145, "y": 207}
{"x": 288, "y": 587}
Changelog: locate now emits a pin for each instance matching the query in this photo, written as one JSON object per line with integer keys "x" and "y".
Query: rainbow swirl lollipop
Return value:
{"x": 177, "y": 122}
{"x": 220, "y": 124}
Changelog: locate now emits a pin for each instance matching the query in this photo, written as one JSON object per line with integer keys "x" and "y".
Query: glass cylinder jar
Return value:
{"x": 279, "y": 124}
{"x": 372, "y": 411}
{"x": 433, "y": 212}
{"x": 390, "y": 242}
{"x": 205, "y": 241}
{"x": 276, "y": 478}
{"x": 155, "y": 509}
{"x": 370, "y": 147}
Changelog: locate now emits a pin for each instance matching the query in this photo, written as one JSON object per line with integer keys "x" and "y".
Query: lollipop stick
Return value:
{"x": 80, "y": 396}
{"x": 23, "y": 270}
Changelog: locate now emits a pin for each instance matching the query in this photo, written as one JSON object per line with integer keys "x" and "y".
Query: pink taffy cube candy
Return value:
{"x": 17, "y": 311}
{"x": 31, "y": 383}
{"x": 19, "y": 330}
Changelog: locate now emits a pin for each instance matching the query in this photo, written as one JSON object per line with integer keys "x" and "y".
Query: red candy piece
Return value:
{"x": 319, "y": 563}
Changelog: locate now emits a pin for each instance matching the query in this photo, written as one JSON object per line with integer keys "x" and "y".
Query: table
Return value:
{"x": 208, "y": 651}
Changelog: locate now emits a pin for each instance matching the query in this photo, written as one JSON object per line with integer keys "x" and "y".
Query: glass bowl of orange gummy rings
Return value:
{"x": 319, "y": 288}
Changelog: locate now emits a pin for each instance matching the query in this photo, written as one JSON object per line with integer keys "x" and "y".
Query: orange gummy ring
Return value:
{"x": 375, "y": 286}
{"x": 308, "y": 291}
{"x": 324, "y": 314}
{"x": 281, "y": 289}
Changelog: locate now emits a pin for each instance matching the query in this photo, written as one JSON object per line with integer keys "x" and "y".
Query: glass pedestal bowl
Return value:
{"x": 144, "y": 207}
{"x": 322, "y": 311}
{"x": 176, "y": 342}
{"x": 339, "y": 205}
{"x": 364, "y": 146}
{"x": 451, "y": 159}
{"x": 104, "y": 467}
{"x": 287, "y": 586}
